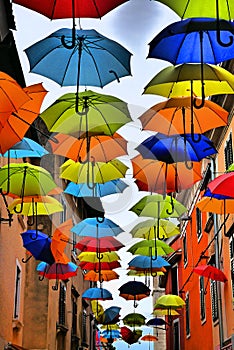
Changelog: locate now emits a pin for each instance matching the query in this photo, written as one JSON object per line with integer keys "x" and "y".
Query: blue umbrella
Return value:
{"x": 94, "y": 228}
{"x": 111, "y": 315}
{"x": 95, "y": 60}
{"x": 193, "y": 40}
{"x": 26, "y": 148}
{"x": 145, "y": 262}
{"x": 100, "y": 190}
{"x": 97, "y": 294}
{"x": 176, "y": 148}
{"x": 38, "y": 244}
{"x": 155, "y": 322}
{"x": 111, "y": 334}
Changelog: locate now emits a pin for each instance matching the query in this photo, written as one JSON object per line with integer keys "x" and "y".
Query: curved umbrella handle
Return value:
{"x": 21, "y": 207}
{"x": 26, "y": 260}
{"x": 115, "y": 74}
{"x": 170, "y": 212}
{"x": 100, "y": 220}
{"x": 218, "y": 34}
{"x": 55, "y": 287}
{"x": 91, "y": 185}
{"x": 99, "y": 255}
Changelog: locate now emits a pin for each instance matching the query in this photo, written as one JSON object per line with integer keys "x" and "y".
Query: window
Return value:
{"x": 202, "y": 299}
{"x": 228, "y": 152}
{"x": 231, "y": 248}
{"x": 174, "y": 280}
{"x": 176, "y": 335}
{"x": 214, "y": 300}
{"x": 17, "y": 291}
{"x": 198, "y": 223}
{"x": 187, "y": 313}
{"x": 84, "y": 328}
{"x": 185, "y": 250}
{"x": 62, "y": 304}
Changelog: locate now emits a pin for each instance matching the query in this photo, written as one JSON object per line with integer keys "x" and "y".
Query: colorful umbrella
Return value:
{"x": 134, "y": 290}
{"x": 99, "y": 190}
{"x": 150, "y": 338}
{"x": 152, "y": 247}
{"x": 56, "y": 271}
{"x": 147, "y": 229}
{"x": 86, "y": 265}
{"x": 211, "y": 272}
{"x": 158, "y": 206}
{"x": 26, "y": 148}
{"x": 92, "y": 148}
{"x": 98, "y": 114}
{"x": 25, "y": 179}
{"x": 94, "y": 60}
{"x": 101, "y": 276}
{"x": 169, "y": 301}
{"x": 164, "y": 312}
{"x": 186, "y": 80}
{"x": 155, "y": 176}
{"x": 93, "y": 228}
{"x": 97, "y": 294}
{"x": 60, "y": 238}
{"x": 222, "y": 184}
{"x": 176, "y": 148}
{"x": 193, "y": 40}
{"x": 100, "y": 245}
{"x": 92, "y": 257}
{"x": 218, "y": 206}
{"x": 111, "y": 316}
{"x": 177, "y": 116}
{"x": 89, "y": 173}
{"x": 18, "y": 121}
{"x": 155, "y": 322}
{"x": 130, "y": 336}
{"x": 134, "y": 320}
{"x": 145, "y": 263}
{"x": 40, "y": 248}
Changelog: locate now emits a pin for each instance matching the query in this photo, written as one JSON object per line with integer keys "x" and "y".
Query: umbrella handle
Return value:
{"x": 115, "y": 74}
{"x": 73, "y": 42}
{"x": 41, "y": 278}
{"x": 218, "y": 34}
{"x": 170, "y": 212}
{"x": 55, "y": 287}
{"x": 9, "y": 219}
{"x": 21, "y": 207}
{"x": 26, "y": 260}
{"x": 100, "y": 220}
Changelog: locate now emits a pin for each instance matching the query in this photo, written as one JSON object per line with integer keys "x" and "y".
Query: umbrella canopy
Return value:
{"x": 92, "y": 257}
{"x": 158, "y": 206}
{"x": 26, "y": 180}
{"x": 222, "y": 184}
{"x": 57, "y": 271}
{"x": 96, "y": 148}
{"x": 111, "y": 316}
{"x": 39, "y": 245}
{"x": 26, "y": 148}
{"x": 102, "y": 265}
{"x": 101, "y": 276}
{"x": 218, "y": 206}
{"x": 59, "y": 241}
{"x": 147, "y": 229}
{"x": 155, "y": 176}
{"x": 95, "y": 60}
{"x": 193, "y": 40}
{"x": 176, "y": 148}
{"x": 17, "y": 122}
{"x": 198, "y": 8}
{"x": 134, "y": 319}
{"x": 149, "y": 337}
{"x": 37, "y": 205}
{"x": 66, "y": 9}
{"x": 97, "y": 294}
{"x": 174, "y": 117}
{"x": 211, "y": 272}
{"x": 99, "y": 114}
{"x": 130, "y": 336}
{"x": 104, "y": 244}
{"x": 99, "y": 190}
{"x": 93, "y": 228}
{"x": 134, "y": 290}
{"x": 98, "y": 172}
{"x": 185, "y": 80}
{"x": 152, "y": 247}
{"x": 155, "y": 322}
{"x": 164, "y": 312}
{"x": 169, "y": 301}
{"x": 145, "y": 263}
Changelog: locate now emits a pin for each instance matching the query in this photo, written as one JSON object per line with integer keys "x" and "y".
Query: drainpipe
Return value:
{"x": 218, "y": 265}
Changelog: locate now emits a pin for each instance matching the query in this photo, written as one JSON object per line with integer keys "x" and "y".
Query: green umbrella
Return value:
{"x": 148, "y": 229}
{"x": 151, "y": 248}
{"x": 98, "y": 114}
{"x": 134, "y": 319}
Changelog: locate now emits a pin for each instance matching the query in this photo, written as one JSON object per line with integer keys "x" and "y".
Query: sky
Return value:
{"x": 133, "y": 25}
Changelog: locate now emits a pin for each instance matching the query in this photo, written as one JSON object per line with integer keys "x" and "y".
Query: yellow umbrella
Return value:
{"x": 147, "y": 229}
{"x": 92, "y": 257}
{"x": 36, "y": 205}
{"x": 164, "y": 312}
{"x": 92, "y": 172}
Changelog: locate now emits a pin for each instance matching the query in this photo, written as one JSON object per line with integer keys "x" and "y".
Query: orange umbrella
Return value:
{"x": 159, "y": 177}
{"x": 94, "y": 148}
{"x": 174, "y": 116}
{"x": 217, "y": 206}
{"x": 19, "y": 121}
{"x": 12, "y": 97}
{"x": 149, "y": 337}
{"x": 59, "y": 241}
{"x": 101, "y": 276}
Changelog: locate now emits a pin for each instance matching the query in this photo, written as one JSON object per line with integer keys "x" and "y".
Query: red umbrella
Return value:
{"x": 86, "y": 265}
{"x": 210, "y": 272}
{"x": 100, "y": 245}
{"x": 130, "y": 336}
{"x": 223, "y": 184}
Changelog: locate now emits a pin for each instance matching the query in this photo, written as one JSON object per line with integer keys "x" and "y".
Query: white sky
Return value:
{"x": 133, "y": 25}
